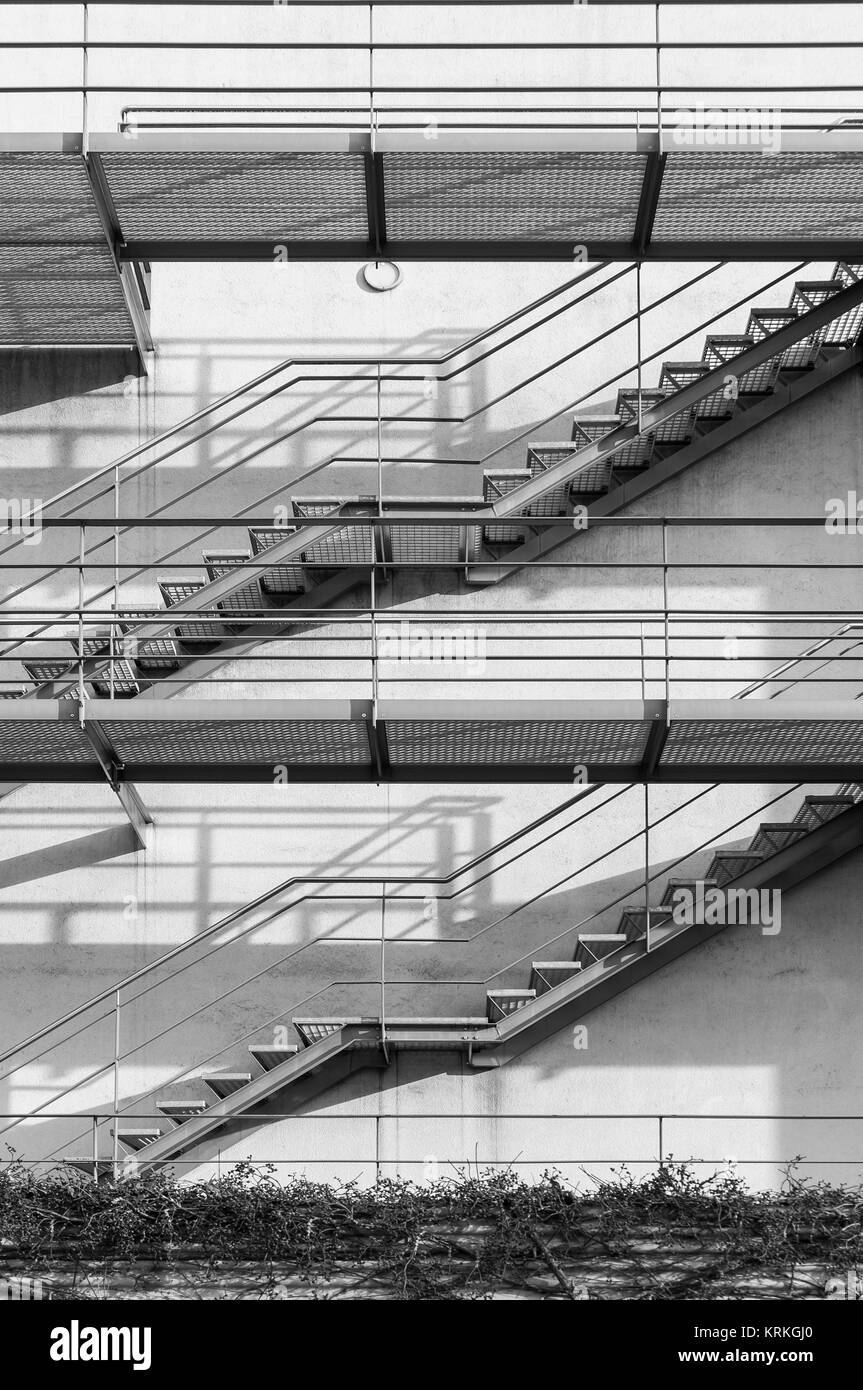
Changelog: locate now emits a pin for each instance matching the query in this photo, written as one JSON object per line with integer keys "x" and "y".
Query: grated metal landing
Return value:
{"x": 60, "y": 284}
{"x": 493, "y": 194}
{"x": 334, "y": 740}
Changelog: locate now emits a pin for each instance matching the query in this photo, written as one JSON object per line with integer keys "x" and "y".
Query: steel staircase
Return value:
{"x": 314, "y": 565}
{"x": 558, "y": 992}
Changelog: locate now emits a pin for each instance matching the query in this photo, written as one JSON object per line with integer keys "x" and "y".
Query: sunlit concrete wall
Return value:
{"x": 80, "y": 910}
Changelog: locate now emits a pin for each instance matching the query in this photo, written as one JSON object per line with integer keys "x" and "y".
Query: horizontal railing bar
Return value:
{"x": 388, "y": 45}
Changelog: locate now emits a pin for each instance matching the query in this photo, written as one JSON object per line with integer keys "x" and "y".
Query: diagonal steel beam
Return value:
{"x": 138, "y": 816}
{"x": 550, "y": 537}
{"x": 521, "y": 497}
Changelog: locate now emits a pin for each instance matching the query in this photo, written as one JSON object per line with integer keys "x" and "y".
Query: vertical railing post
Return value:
{"x": 666, "y": 632}
{"x": 647, "y": 866}
{"x": 95, "y": 1120}
{"x": 374, "y": 645}
{"x": 658, "y": 81}
{"x": 116, "y": 1107}
{"x": 380, "y": 446}
{"x": 81, "y": 553}
{"x": 114, "y": 620}
{"x": 85, "y": 78}
{"x": 638, "y": 334}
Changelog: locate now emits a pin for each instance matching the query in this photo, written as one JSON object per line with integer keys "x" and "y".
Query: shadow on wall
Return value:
{"x": 37, "y": 376}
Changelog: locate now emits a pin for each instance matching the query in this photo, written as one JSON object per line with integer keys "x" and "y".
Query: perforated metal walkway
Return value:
{"x": 432, "y": 740}
{"x": 61, "y": 283}
{"x": 500, "y": 195}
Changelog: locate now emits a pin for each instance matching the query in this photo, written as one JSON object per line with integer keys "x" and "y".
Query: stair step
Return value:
{"x": 548, "y": 974}
{"x": 728, "y": 864}
{"x": 845, "y": 330}
{"x": 723, "y": 348}
{"x": 281, "y": 579}
{"x": 154, "y": 653}
{"x": 136, "y": 1139}
{"x": 103, "y": 1166}
{"x": 349, "y": 545}
{"x": 312, "y": 1030}
{"x": 633, "y": 923}
{"x": 189, "y": 630}
{"x": 596, "y": 945}
{"x": 268, "y": 1057}
{"x": 691, "y": 885}
{"x": 773, "y": 836}
{"x": 180, "y": 1110}
{"x": 225, "y": 1083}
{"x": 818, "y": 810}
{"x": 125, "y": 681}
{"x": 496, "y": 483}
{"x": 501, "y": 1002}
{"x": 247, "y": 599}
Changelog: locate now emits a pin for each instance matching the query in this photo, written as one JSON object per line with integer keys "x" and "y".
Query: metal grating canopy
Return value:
{"x": 502, "y": 196}
{"x": 58, "y": 280}
{"x": 471, "y": 742}
{"x": 747, "y": 194}
{"x": 470, "y": 193}
{"x": 278, "y": 196}
{"x": 417, "y": 740}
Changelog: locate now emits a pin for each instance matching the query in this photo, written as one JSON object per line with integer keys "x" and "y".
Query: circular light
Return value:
{"x": 381, "y": 275}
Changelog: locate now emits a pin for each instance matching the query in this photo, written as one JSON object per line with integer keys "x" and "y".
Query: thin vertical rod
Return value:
{"x": 666, "y": 636}
{"x": 116, "y": 577}
{"x": 372, "y": 78}
{"x": 380, "y": 446}
{"x": 374, "y": 637}
{"x": 95, "y": 1120}
{"x": 658, "y": 84}
{"x": 81, "y": 558}
{"x": 116, "y": 1153}
{"x": 647, "y": 865}
{"x": 85, "y": 78}
{"x": 638, "y": 331}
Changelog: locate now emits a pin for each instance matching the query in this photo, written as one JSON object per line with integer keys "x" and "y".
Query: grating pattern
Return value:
{"x": 846, "y": 329}
{"x": 587, "y": 430}
{"x": 743, "y": 741}
{"x": 497, "y": 483}
{"x": 507, "y": 741}
{"x": 245, "y": 600}
{"x": 231, "y": 195}
{"x": 46, "y": 197}
{"x": 51, "y": 294}
{"x": 742, "y": 194}
{"x": 125, "y": 682}
{"x": 554, "y": 502}
{"x": 281, "y": 579}
{"x": 261, "y": 742}
{"x": 432, "y": 544}
{"x": 177, "y": 591}
{"x": 481, "y": 195}
{"x": 44, "y": 741}
{"x": 351, "y": 545}
{"x": 157, "y": 653}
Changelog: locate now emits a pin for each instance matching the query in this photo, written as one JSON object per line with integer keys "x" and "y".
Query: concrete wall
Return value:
{"x": 79, "y": 910}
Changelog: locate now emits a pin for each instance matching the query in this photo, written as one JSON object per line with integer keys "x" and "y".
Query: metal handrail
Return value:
{"x": 265, "y": 898}
{"x": 460, "y": 420}
{"x": 259, "y": 1026}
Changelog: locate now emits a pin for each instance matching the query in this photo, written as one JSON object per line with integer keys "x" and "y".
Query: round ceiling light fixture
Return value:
{"x": 382, "y": 275}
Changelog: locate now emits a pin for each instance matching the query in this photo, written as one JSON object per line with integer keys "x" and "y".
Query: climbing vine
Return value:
{"x": 674, "y": 1235}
